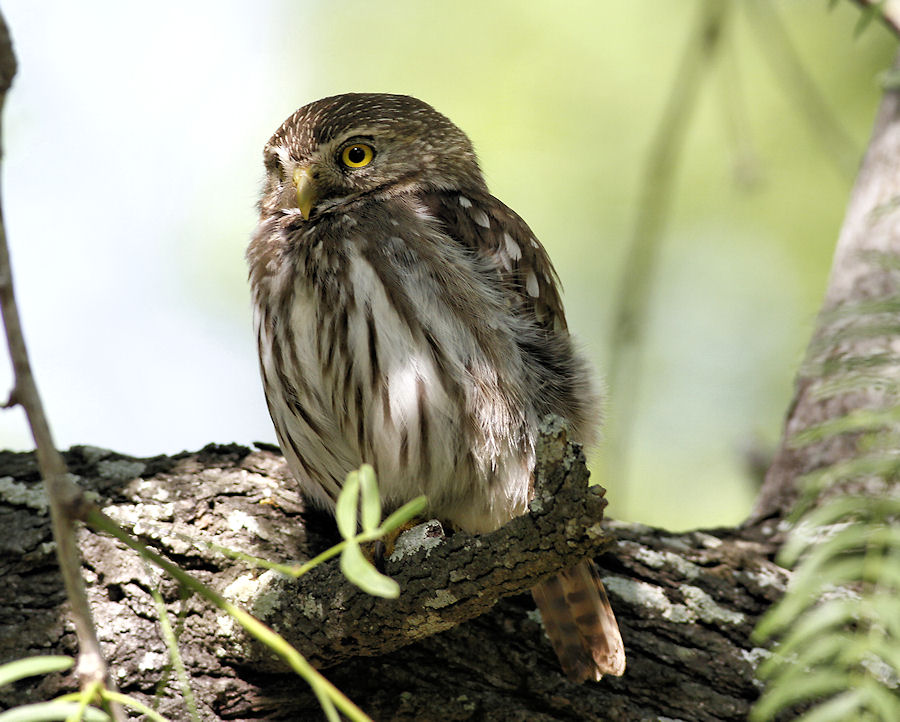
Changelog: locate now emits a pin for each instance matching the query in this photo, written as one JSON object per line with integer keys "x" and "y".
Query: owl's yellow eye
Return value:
{"x": 357, "y": 155}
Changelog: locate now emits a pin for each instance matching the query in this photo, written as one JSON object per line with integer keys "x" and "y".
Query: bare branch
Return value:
{"x": 623, "y": 369}
{"x": 67, "y": 502}
{"x": 888, "y": 12}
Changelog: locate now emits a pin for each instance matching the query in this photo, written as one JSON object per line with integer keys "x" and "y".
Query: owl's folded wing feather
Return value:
{"x": 498, "y": 235}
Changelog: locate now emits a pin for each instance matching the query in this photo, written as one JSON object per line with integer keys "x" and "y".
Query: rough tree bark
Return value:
{"x": 686, "y": 602}
{"x": 864, "y": 269}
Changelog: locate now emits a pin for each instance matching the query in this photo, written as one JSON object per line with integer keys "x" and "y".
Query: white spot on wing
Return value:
{"x": 465, "y": 202}
{"x": 512, "y": 248}
{"x": 531, "y": 285}
{"x": 480, "y": 217}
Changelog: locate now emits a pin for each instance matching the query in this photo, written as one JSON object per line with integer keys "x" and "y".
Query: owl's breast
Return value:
{"x": 392, "y": 349}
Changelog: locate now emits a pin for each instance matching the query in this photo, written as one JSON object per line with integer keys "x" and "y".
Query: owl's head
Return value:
{"x": 341, "y": 148}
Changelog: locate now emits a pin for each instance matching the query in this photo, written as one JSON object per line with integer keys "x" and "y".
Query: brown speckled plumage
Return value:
{"x": 407, "y": 318}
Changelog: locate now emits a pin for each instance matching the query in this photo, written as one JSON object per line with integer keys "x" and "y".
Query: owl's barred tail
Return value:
{"x": 580, "y": 623}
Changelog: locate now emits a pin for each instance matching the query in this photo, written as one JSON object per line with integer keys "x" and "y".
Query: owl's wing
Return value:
{"x": 521, "y": 269}
{"x": 499, "y": 236}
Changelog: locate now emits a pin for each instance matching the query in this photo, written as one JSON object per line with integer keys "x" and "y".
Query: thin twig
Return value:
{"x": 67, "y": 503}
{"x": 888, "y": 11}
{"x": 623, "y": 372}
{"x": 801, "y": 88}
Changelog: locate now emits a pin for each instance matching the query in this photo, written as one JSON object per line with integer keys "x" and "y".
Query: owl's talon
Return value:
{"x": 379, "y": 554}
{"x": 380, "y": 549}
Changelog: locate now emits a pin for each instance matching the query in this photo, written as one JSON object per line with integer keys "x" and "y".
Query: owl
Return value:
{"x": 408, "y": 319}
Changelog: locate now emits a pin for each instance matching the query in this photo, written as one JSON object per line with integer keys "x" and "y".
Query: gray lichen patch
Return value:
{"x": 422, "y": 536}
{"x": 152, "y": 521}
{"x": 264, "y": 595}
{"x": 120, "y": 469}
{"x": 755, "y": 656}
{"x": 243, "y": 591}
{"x": 664, "y": 559}
{"x": 238, "y": 519}
{"x": 93, "y": 454}
{"x": 706, "y": 607}
{"x": 646, "y": 595}
{"x": 698, "y": 604}
{"x": 137, "y": 515}
{"x": 443, "y": 598}
{"x": 32, "y": 496}
{"x": 769, "y": 576}
{"x": 151, "y": 490}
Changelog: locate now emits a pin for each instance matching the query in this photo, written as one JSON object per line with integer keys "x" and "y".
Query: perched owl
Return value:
{"x": 408, "y": 319}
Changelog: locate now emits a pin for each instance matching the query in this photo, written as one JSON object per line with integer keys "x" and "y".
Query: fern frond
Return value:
{"x": 837, "y": 629}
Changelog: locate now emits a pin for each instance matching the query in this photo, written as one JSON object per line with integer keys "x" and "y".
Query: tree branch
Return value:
{"x": 686, "y": 602}
{"x": 67, "y": 503}
{"x": 444, "y": 580}
{"x": 636, "y": 278}
{"x": 888, "y": 12}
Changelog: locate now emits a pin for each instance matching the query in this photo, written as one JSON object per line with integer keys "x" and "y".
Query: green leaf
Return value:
{"x": 841, "y": 510}
{"x": 855, "y": 507}
{"x": 886, "y": 608}
{"x": 817, "y": 621}
{"x": 410, "y": 510}
{"x": 884, "y": 650}
{"x": 51, "y": 711}
{"x": 868, "y": 328}
{"x": 832, "y": 541}
{"x": 371, "y": 499}
{"x": 138, "y": 706}
{"x": 883, "y": 702}
{"x": 838, "y": 650}
{"x": 854, "y": 422}
{"x": 867, "y": 15}
{"x": 880, "y": 465}
{"x": 794, "y": 688}
{"x": 360, "y": 571}
{"x": 346, "y": 508}
{"x": 843, "y": 382}
{"x": 837, "y": 709}
{"x": 839, "y": 622}
{"x": 33, "y": 666}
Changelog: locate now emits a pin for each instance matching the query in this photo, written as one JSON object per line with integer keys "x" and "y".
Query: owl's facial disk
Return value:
{"x": 354, "y": 146}
{"x": 315, "y": 179}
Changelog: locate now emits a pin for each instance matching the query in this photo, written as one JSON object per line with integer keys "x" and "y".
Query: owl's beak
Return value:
{"x": 306, "y": 190}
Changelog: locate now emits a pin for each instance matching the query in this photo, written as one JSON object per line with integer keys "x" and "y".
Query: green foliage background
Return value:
{"x": 562, "y": 101}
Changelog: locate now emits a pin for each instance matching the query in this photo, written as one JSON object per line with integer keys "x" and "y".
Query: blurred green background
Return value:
{"x": 132, "y": 162}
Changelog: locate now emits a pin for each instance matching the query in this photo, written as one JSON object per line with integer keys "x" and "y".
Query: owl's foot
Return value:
{"x": 380, "y": 549}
